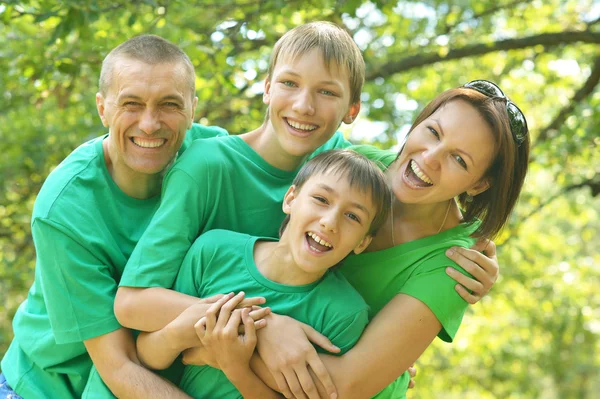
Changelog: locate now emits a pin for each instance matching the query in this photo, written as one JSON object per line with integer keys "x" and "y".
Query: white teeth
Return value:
{"x": 415, "y": 168}
{"x": 148, "y": 143}
{"x": 319, "y": 240}
{"x": 301, "y": 126}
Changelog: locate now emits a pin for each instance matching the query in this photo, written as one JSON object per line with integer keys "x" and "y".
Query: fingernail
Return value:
{"x": 448, "y": 270}
{"x": 333, "y": 396}
{"x": 450, "y": 252}
{"x": 241, "y": 293}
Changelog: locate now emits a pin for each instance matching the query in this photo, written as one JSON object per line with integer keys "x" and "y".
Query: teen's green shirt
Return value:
{"x": 84, "y": 229}
{"x": 415, "y": 268}
{"x": 220, "y": 184}
{"x": 223, "y": 261}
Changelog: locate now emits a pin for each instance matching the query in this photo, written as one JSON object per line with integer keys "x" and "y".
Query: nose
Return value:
{"x": 149, "y": 122}
{"x": 329, "y": 220}
{"x": 303, "y": 103}
{"x": 431, "y": 157}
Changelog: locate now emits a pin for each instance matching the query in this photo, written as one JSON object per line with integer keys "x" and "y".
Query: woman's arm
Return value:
{"x": 394, "y": 339}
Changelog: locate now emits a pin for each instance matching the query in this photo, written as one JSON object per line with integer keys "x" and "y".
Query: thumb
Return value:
{"x": 319, "y": 339}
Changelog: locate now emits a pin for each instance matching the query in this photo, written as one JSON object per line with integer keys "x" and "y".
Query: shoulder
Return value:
{"x": 344, "y": 299}
{"x": 198, "y": 132}
{"x": 74, "y": 179}
{"x": 221, "y": 240}
{"x": 382, "y": 158}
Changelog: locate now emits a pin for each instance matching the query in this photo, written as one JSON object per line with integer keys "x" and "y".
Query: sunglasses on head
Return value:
{"x": 518, "y": 123}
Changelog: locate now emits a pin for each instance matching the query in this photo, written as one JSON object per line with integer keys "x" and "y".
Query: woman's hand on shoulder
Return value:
{"x": 481, "y": 262}
{"x": 285, "y": 348}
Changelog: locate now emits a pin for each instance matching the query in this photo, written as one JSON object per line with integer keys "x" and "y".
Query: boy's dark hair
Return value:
{"x": 360, "y": 172}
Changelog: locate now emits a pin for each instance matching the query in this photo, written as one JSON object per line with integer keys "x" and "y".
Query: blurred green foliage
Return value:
{"x": 538, "y": 334}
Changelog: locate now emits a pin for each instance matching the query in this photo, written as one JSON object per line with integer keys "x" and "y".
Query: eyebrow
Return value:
{"x": 325, "y": 82}
{"x": 355, "y": 204}
{"x": 167, "y": 97}
{"x": 459, "y": 150}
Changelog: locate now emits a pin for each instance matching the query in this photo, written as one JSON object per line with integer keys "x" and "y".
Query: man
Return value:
{"x": 88, "y": 216}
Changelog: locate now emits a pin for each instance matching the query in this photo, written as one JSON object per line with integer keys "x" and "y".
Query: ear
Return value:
{"x": 363, "y": 244}
{"x": 352, "y": 113}
{"x": 267, "y": 92}
{"x": 479, "y": 187}
{"x": 194, "y": 103}
{"x": 100, "y": 107}
{"x": 288, "y": 199}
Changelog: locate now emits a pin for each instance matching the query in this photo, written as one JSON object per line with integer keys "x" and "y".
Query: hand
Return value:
{"x": 180, "y": 332}
{"x": 218, "y": 332}
{"x": 482, "y": 266}
{"x": 285, "y": 347}
{"x": 412, "y": 372}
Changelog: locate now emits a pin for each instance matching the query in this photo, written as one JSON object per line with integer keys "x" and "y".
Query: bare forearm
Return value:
{"x": 149, "y": 309}
{"x": 155, "y": 351}
{"x": 260, "y": 369}
{"x": 133, "y": 381}
{"x": 249, "y": 385}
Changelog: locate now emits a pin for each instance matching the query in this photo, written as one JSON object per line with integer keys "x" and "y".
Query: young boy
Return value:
{"x": 314, "y": 82}
{"x": 337, "y": 202}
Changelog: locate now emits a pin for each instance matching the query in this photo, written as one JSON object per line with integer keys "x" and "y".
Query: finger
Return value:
{"x": 231, "y": 328}
{"x": 292, "y": 380}
{"x": 200, "y": 328}
{"x": 411, "y": 384}
{"x": 479, "y": 266}
{"x": 467, "y": 282}
{"x": 250, "y": 333}
{"x": 307, "y": 383}
{"x": 319, "y": 339}
{"x": 322, "y": 374}
{"x": 488, "y": 247}
{"x": 213, "y": 299}
{"x": 226, "y": 310}
{"x": 282, "y": 385}
{"x": 412, "y": 371}
{"x": 259, "y": 313}
{"x": 250, "y": 302}
{"x": 466, "y": 295}
{"x": 213, "y": 310}
{"x": 262, "y": 323}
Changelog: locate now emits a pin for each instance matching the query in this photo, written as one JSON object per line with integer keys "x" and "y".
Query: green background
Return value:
{"x": 537, "y": 335}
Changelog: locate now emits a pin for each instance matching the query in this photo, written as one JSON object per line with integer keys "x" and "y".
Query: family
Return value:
{"x": 175, "y": 260}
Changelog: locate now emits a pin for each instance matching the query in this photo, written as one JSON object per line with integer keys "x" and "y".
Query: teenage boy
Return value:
{"x": 86, "y": 220}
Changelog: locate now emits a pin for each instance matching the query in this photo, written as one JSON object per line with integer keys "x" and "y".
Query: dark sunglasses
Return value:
{"x": 518, "y": 123}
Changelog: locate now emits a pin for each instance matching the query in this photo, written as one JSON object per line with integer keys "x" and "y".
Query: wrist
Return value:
{"x": 237, "y": 373}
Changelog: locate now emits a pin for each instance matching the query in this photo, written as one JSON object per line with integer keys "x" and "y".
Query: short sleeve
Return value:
{"x": 79, "y": 289}
{"x": 346, "y": 332}
{"x": 159, "y": 254}
{"x": 435, "y": 288}
{"x": 382, "y": 158}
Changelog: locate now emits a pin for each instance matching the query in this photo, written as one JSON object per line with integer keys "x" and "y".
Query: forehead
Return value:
{"x": 137, "y": 78}
{"x": 462, "y": 123}
{"x": 338, "y": 182}
{"x": 312, "y": 63}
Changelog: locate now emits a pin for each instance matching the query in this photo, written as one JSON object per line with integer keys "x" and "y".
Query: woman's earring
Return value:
{"x": 469, "y": 198}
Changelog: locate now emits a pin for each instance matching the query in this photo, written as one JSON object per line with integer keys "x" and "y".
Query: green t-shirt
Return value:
{"x": 221, "y": 261}
{"x": 216, "y": 184}
{"x": 82, "y": 240}
{"x": 415, "y": 268}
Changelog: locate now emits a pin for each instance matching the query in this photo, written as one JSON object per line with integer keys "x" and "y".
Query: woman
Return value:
{"x": 458, "y": 176}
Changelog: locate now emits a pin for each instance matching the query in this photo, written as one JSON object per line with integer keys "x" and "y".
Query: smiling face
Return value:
{"x": 307, "y": 102}
{"x": 147, "y": 109}
{"x": 445, "y": 155}
{"x": 328, "y": 220}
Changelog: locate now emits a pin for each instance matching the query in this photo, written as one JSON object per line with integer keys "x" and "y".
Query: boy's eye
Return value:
{"x": 320, "y": 199}
{"x": 353, "y": 217}
{"x": 288, "y": 83}
{"x": 328, "y": 93}
{"x": 434, "y": 132}
{"x": 460, "y": 161}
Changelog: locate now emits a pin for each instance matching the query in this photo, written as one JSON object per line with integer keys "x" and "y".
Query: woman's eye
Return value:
{"x": 461, "y": 161}
{"x": 434, "y": 132}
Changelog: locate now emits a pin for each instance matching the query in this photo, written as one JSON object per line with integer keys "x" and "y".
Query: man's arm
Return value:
{"x": 114, "y": 356}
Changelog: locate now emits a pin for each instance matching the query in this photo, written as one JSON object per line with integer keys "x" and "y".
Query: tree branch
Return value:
{"x": 588, "y": 88}
{"x": 489, "y": 11}
{"x": 544, "y": 39}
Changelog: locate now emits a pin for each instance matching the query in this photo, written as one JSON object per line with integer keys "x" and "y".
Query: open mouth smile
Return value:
{"x": 416, "y": 176}
{"x": 317, "y": 243}
{"x": 300, "y": 127}
{"x": 147, "y": 143}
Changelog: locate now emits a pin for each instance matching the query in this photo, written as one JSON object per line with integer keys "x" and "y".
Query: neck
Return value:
{"x": 265, "y": 143}
{"x": 409, "y": 222}
{"x": 134, "y": 184}
{"x": 275, "y": 262}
